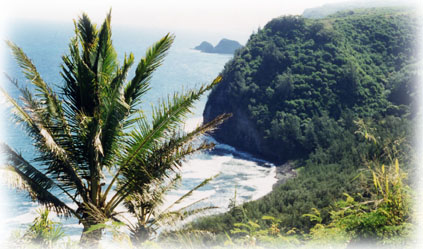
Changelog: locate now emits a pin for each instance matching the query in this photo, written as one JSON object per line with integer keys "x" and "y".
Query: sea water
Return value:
{"x": 184, "y": 68}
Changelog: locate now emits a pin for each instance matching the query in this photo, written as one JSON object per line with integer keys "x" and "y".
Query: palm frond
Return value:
{"x": 200, "y": 130}
{"x": 16, "y": 161}
{"x": 145, "y": 203}
{"x": 166, "y": 118}
{"x": 105, "y": 63}
{"x": 147, "y": 65}
{"x": 168, "y": 154}
{"x": 31, "y": 73}
{"x": 172, "y": 218}
{"x": 121, "y": 75}
{"x": 189, "y": 193}
{"x": 159, "y": 162}
{"x": 41, "y": 115}
{"x": 162, "y": 157}
{"x": 87, "y": 33}
{"x": 81, "y": 88}
{"x": 115, "y": 115}
{"x": 19, "y": 180}
{"x": 20, "y": 114}
{"x": 159, "y": 191}
{"x": 47, "y": 146}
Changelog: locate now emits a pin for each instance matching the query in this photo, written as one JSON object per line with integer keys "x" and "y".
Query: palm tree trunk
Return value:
{"x": 90, "y": 239}
{"x": 140, "y": 235}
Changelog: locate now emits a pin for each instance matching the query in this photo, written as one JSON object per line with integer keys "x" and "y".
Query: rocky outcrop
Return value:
{"x": 225, "y": 46}
{"x": 284, "y": 172}
{"x": 239, "y": 131}
{"x": 205, "y": 47}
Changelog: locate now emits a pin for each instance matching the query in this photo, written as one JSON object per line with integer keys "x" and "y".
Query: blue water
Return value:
{"x": 183, "y": 68}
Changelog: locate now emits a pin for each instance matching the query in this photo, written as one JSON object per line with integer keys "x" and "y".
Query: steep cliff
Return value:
{"x": 239, "y": 131}
{"x": 298, "y": 81}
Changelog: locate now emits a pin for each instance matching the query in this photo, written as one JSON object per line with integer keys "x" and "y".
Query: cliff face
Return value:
{"x": 298, "y": 82}
{"x": 239, "y": 131}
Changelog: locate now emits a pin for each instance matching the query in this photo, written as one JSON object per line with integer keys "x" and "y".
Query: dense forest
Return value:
{"x": 298, "y": 80}
{"x": 336, "y": 97}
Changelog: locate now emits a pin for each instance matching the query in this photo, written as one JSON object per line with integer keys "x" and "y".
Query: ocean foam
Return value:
{"x": 192, "y": 123}
{"x": 235, "y": 170}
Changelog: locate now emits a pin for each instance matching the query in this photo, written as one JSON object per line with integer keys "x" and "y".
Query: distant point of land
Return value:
{"x": 225, "y": 46}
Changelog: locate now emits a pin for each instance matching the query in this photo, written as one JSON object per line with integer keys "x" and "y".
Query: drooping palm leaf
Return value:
{"x": 48, "y": 147}
{"x": 19, "y": 180}
{"x": 22, "y": 175}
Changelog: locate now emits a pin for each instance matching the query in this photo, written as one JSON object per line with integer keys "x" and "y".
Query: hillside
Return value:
{"x": 331, "y": 8}
{"x": 297, "y": 80}
{"x": 333, "y": 97}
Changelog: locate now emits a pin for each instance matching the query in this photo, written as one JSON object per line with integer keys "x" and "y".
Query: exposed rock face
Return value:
{"x": 205, "y": 47}
{"x": 239, "y": 131}
{"x": 225, "y": 46}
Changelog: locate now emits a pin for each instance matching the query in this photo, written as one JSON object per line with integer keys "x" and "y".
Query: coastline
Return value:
{"x": 283, "y": 173}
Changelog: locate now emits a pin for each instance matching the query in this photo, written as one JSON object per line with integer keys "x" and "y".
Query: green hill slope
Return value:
{"x": 333, "y": 95}
{"x": 298, "y": 80}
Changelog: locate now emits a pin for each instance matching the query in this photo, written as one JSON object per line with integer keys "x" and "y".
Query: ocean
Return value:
{"x": 183, "y": 68}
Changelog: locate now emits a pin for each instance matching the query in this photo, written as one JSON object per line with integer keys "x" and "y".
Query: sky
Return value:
{"x": 212, "y": 15}
{"x": 238, "y": 18}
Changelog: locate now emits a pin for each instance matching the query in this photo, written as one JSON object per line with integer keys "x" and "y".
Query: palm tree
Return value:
{"x": 146, "y": 205}
{"x": 93, "y": 125}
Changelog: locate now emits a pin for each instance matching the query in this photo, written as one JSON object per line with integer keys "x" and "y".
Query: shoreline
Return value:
{"x": 283, "y": 173}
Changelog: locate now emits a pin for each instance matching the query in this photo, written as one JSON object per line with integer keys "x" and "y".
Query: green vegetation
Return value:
{"x": 92, "y": 127}
{"x": 43, "y": 232}
{"x": 362, "y": 198}
{"x": 331, "y": 8}
{"x": 298, "y": 80}
{"x": 381, "y": 213}
{"x": 150, "y": 215}
{"x": 336, "y": 96}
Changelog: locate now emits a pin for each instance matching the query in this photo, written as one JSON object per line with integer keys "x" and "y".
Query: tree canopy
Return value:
{"x": 297, "y": 79}
{"x": 314, "y": 92}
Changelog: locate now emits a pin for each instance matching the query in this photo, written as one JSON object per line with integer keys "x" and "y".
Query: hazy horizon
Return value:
{"x": 238, "y": 18}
